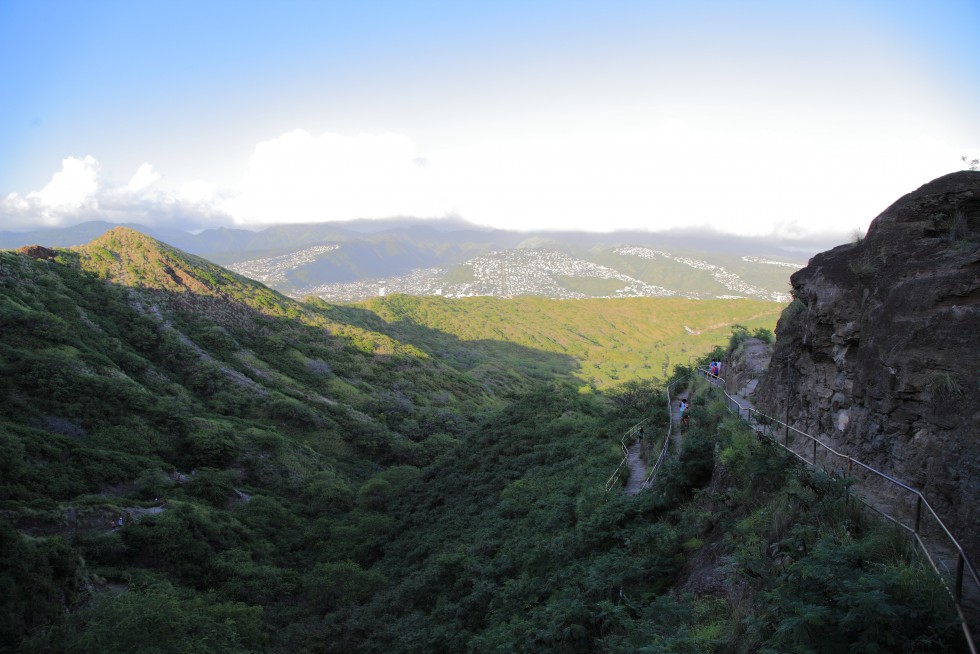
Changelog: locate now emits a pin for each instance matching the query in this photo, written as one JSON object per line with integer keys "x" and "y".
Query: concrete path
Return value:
{"x": 638, "y": 470}
{"x": 641, "y": 476}
{"x": 676, "y": 432}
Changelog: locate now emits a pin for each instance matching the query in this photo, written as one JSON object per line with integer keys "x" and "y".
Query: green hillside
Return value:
{"x": 610, "y": 341}
{"x": 192, "y": 462}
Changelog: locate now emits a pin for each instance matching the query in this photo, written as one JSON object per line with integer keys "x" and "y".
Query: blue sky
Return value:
{"x": 746, "y": 117}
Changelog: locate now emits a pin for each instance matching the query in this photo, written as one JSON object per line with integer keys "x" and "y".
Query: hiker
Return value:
{"x": 639, "y": 436}
{"x": 683, "y": 406}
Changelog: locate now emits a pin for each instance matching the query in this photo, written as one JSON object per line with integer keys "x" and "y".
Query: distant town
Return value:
{"x": 509, "y": 273}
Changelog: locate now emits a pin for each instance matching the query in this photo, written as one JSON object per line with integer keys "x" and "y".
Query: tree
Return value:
{"x": 637, "y": 395}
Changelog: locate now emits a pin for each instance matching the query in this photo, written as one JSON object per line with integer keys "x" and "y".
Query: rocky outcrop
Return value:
{"x": 744, "y": 366}
{"x": 878, "y": 354}
{"x": 38, "y": 252}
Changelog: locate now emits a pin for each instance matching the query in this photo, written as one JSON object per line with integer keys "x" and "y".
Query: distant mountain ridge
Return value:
{"x": 361, "y": 259}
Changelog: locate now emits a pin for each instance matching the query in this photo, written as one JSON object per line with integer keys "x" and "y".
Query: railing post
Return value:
{"x": 918, "y": 512}
{"x": 959, "y": 577}
{"x": 814, "y": 452}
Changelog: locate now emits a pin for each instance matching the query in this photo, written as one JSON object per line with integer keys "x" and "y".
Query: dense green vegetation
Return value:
{"x": 406, "y": 475}
{"x": 737, "y": 549}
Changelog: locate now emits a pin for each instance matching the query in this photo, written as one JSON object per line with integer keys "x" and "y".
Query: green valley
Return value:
{"x": 610, "y": 341}
{"x": 192, "y": 461}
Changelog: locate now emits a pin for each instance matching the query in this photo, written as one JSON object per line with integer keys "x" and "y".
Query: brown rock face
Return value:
{"x": 879, "y": 353}
{"x": 38, "y": 252}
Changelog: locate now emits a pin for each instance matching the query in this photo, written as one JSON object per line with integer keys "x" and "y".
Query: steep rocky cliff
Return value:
{"x": 879, "y": 352}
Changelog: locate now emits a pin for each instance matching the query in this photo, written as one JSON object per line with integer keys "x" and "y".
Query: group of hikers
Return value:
{"x": 714, "y": 368}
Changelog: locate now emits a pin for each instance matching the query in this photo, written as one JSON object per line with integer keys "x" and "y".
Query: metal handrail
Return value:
{"x": 663, "y": 450}
{"x": 963, "y": 563}
{"x": 630, "y": 433}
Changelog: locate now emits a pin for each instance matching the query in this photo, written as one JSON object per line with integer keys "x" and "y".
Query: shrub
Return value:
{"x": 438, "y": 445}
{"x": 275, "y": 528}
{"x": 791, "y": 316}
{"x": 335, "y": 585}
{"x": 945, "y": 386}
{"x": 739, "y": 334}
{"x": 39, "y": 580}
{"x": 183, "y": 539}
{"x": 327, "y": 491}
{"x": 293, "y": 412}
{"x": 374, "y": 493}
{"x": 210, "y": 446}
{"x": 637, "y": 396}
{"x": 868, "y": 262}
{"x": 217, "y": 340}
{"x": 211, "y": 486}
{"x": 154, "y": 484}
{"x": 158, "y": 620}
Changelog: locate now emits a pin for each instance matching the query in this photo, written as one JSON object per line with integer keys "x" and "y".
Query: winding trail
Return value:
{"x": 640, "y": 476}
{"x": 941, "y": 555}
{"x": 638, "y": 470}
{"x": 676, "y": 434}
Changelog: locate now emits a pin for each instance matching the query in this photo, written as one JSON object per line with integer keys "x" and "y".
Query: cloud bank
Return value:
{"x": 78, "y": 193}
{"x": 294, "y": 178}
{"x": 670, "y": 176}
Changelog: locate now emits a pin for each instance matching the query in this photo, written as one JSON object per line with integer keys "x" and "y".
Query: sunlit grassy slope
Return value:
{"x": 611, "y": 340}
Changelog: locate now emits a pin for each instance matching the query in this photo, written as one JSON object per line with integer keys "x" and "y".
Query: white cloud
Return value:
{"x": 198, "y": 192}
{"x": 73, "y": 187}
{"x": 299, "y": 177}
{"x": 144, "y": 178}
{"x": 659, "y": 177}
{"x": 77, "y": 193}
